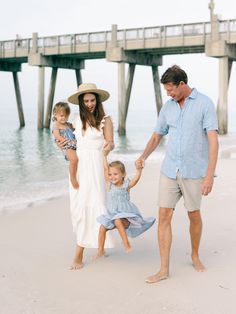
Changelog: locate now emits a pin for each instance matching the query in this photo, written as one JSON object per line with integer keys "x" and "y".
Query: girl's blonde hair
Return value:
{"x": 60, "y": 106}
{"x": 118, "y": 164}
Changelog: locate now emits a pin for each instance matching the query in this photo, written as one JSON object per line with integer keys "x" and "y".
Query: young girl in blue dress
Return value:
{"x": 62, "y": 130}
{"x": 122, "y": 213}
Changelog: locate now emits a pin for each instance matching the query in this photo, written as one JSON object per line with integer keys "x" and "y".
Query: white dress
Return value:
{"x": 88, "y": 202}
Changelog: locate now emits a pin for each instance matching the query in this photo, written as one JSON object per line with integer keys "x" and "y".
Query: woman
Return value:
{"x": 94, "y": 135}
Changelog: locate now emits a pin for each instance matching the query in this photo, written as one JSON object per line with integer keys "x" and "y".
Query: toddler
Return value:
{"x": 62, "y": 130}
{"x": 122, "y": 213}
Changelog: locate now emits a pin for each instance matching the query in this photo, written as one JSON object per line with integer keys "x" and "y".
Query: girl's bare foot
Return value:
{"x": 99, "y": 255}
{"x": 157, "y": 277}
{"x": 128, "y": 248}
{"x": 76, "y": 266}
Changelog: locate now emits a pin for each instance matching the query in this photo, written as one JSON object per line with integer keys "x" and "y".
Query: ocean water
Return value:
{"x": 33, "y": 169}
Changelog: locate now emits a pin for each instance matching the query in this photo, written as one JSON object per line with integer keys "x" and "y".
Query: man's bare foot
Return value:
{"x": 76, "y": 266}
{"x": 198, "y": 266}
{"x": 98, "y": 255}
{"x": 75, "y": 183}
{"x": 157, "y": 277}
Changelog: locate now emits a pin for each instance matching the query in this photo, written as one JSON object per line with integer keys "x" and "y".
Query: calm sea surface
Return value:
{"x": 33, "y": 169}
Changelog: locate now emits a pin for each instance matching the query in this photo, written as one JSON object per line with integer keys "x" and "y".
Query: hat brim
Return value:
{"x": 74, "y": 99}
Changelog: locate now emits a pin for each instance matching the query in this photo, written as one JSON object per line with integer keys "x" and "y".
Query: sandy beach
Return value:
{"x": 37, "y": 246}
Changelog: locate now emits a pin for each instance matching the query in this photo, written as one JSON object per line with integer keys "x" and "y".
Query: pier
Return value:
{"x": 138, "y": 46}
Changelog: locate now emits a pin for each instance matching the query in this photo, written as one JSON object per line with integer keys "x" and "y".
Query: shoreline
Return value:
{"x": 225, "y": 153}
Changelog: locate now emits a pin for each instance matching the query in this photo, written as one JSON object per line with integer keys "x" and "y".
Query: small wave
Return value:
{"x": 30, "y": 194}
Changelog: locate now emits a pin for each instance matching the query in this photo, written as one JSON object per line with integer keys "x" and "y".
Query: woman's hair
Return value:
{"x": 118, "y": 164}
{"x": 174, "y": 75}
{"x": 93, "y": 119}
{"x": 60, "y": 106}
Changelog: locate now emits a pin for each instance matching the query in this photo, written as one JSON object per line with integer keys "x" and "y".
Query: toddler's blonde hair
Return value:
{"x": 60, "y": 106}
{"x": 119, "y": 165}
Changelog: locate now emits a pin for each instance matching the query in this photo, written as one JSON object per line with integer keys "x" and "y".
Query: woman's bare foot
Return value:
{"x": 76, "y": 266}
{"x": 197, "y": 264}
{"x": 78, "y": 259}
{"x": 157, "y": 277}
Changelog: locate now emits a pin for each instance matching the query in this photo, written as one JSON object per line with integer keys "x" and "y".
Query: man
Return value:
{"x": 189, "y": 119}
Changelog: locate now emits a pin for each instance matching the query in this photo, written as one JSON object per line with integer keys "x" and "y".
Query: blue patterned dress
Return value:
{"x": 120, "y": 206}
{"x": 67, "y": 133}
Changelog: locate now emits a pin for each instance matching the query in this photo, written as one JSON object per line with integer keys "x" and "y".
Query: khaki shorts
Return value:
{"x": 171, "y": 190}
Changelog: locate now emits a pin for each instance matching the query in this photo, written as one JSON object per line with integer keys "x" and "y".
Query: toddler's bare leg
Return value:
{"x": 101, "y": 243}
{"x": 121, "y": 224}
{"x": 73, "y": 159}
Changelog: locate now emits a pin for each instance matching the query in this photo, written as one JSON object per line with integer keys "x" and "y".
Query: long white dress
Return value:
{"x": 88, "y": 202}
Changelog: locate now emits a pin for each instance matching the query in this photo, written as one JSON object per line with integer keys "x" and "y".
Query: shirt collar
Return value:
{"x": 193, "y": 93}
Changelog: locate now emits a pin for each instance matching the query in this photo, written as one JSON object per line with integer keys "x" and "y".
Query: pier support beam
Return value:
{"x": 50, "y": 98}
{"x": 41, "y": 76}
{"x": 129, "y": 84}
{"x": 225, "y": 66}
{"x": 157, "y": 87}
{"x": 124, "y": 92}
{"x": 78, "y": 76}
{"x": 15, "y": 67}
{"x": 122, "y": 56}
{"x": 121, "y": 98}
{"x": 18, "y": 99}
{"x": 226, "y": 52}
{"x": 55, "y": 62}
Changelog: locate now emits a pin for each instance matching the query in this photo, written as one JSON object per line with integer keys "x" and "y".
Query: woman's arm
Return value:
{"x": 108, "y": 136}
{"x": 106, "y": 167}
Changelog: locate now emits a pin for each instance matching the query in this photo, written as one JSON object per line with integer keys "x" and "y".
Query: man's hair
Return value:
{"x": 174, "y": 75}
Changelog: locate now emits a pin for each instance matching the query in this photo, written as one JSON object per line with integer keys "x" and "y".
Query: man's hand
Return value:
{"x": 207, "y": 185}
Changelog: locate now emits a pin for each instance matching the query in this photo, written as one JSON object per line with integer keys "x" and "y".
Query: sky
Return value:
{"x": 53, "y": 17}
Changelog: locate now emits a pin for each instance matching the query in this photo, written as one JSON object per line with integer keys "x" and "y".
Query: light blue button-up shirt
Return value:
{"x": 187, "y": 147}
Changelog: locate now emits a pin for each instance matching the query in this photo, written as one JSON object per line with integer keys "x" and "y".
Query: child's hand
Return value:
{"x": 139, "y": 163}
{"x": 107, "y": 147}
{"x": 139, "y": 169}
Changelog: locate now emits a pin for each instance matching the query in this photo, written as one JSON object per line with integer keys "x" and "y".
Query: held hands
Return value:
{"x": 140, "y": 163}
{"x": 107, "y": 147}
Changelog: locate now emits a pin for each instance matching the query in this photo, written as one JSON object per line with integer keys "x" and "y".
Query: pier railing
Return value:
{"x": 159, "y": 32}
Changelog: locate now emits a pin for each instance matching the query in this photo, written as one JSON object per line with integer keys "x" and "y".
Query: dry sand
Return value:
{"x": 37, "y": 246}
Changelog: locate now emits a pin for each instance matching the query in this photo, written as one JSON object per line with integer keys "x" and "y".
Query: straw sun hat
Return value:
{"x": 88, "y": 88}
